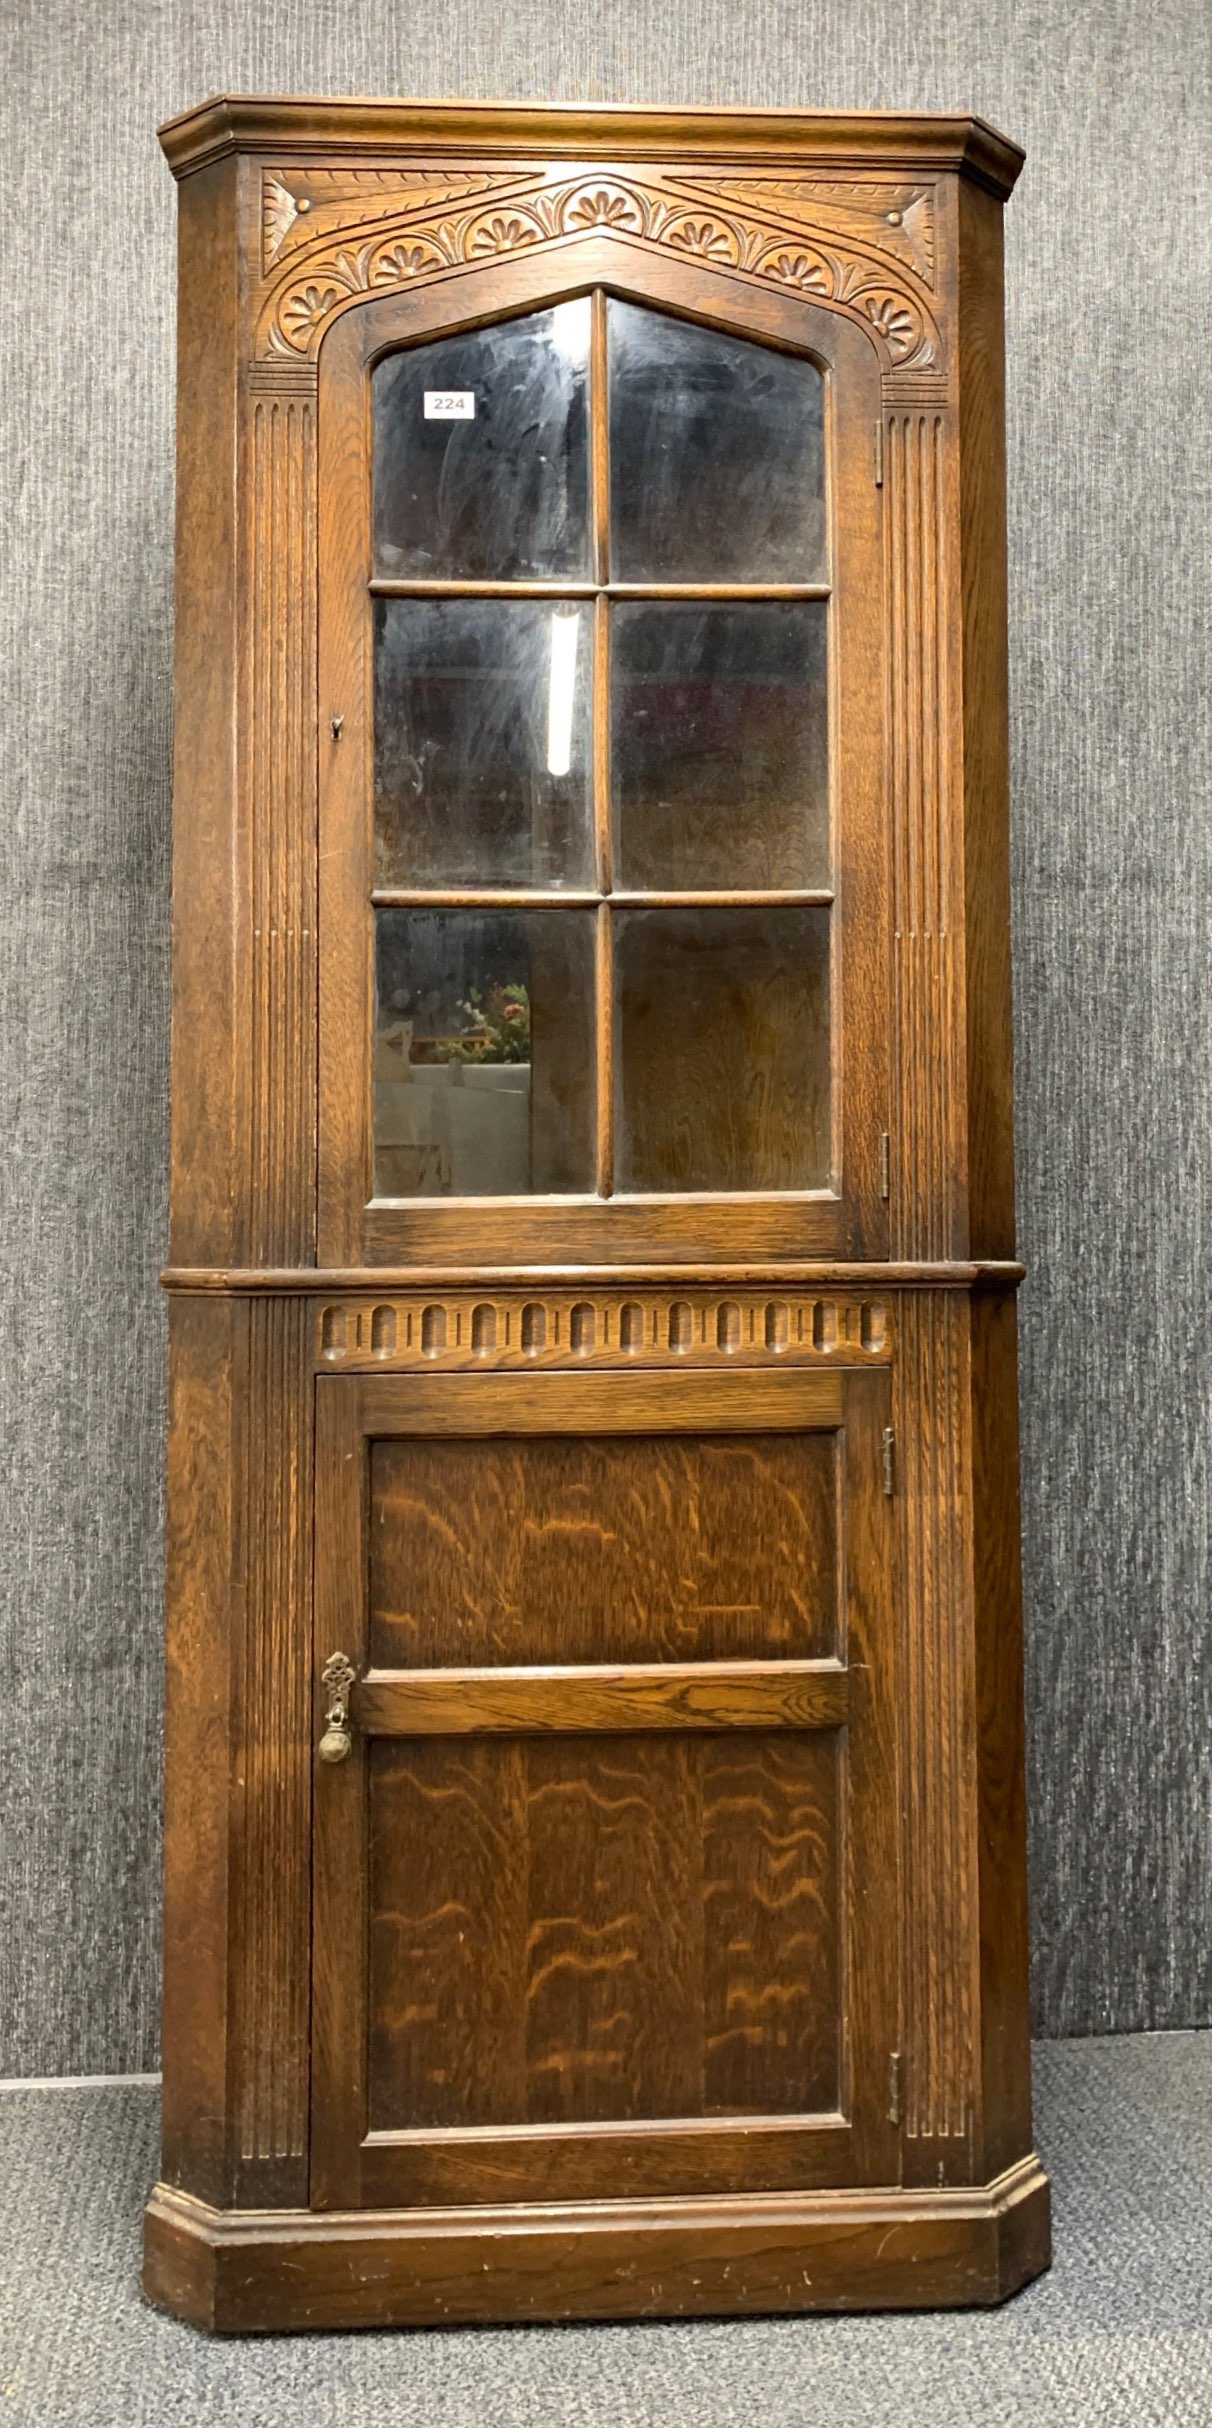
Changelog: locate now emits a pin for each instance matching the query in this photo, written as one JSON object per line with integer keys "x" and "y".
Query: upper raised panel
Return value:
{"x": 603, "y": 1548}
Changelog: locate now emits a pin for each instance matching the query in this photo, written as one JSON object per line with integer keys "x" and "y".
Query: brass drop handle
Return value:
{"x": 336, "y": 1677}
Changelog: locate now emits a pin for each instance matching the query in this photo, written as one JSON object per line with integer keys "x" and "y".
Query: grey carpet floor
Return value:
{"x": 1120, "y": 2332}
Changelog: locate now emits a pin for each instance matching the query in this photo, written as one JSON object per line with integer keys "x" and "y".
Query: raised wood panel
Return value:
{"x": 792, "y": 1399}
{"x": 617, "y": 1929}
{"x": 607, "y": 1549}
{"x": 986, "y": 729}
{"x": 196, "y": 2022}
{"x": 207, "y": 1171}
{"x": 1001, "y": 1868}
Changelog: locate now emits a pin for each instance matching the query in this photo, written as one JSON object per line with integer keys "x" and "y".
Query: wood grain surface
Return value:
{"x": 591, "y": 1924}
{"x": 623, "y": 1548}
{"x": 673, "y": 1866}
{"x": 670, "y": 1694}
{"x": 628, "y": 2258}
{"x": 622, "y": 1928}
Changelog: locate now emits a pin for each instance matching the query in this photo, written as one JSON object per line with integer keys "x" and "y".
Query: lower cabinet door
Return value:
{"x": 605, "y": 1884}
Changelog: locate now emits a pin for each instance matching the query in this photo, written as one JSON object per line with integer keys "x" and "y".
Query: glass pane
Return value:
{"x": 481, "y": 453}
{"x": 717, "y": 455}
{"x": 483, "y": 1053}
{"x": 719, "y": 745}
{"x": 482, "y": 742}
{"x": 722, "y": 1063}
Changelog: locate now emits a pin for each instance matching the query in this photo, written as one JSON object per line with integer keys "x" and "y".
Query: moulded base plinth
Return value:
{"x": 240, "y": 2272}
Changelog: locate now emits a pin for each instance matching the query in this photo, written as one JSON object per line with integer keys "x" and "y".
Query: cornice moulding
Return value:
{"x": 845, "y": 141}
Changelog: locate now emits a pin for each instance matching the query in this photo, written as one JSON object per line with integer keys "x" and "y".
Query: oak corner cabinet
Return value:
{"x": 595, "y": 1833}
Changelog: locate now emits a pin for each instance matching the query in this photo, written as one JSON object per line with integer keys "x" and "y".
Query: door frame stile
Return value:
{"x": 340, "y": 1803}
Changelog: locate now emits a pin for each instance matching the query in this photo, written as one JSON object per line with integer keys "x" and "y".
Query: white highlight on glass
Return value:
{"x": 565, "y": 633}
{"x": 570, "y": 327}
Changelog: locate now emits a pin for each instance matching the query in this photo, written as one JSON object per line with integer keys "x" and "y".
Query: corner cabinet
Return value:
{"x": 595, "y": 1847}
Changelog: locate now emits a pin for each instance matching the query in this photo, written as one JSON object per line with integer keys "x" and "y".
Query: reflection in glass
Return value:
{"x": 717, "y": 458}
{"x": 722, "y": 1059}
{"x": 482, "y": 742}
{"x": 483, "y": 1053}
{"x": 719, "y": 746}
{"x": 499, "y": 495}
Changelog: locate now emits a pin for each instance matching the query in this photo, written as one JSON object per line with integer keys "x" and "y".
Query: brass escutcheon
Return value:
{"x": 337, "y": 1676}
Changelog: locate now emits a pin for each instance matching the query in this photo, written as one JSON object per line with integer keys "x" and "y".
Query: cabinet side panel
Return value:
{"x": 271, "y": 1866}
{"x": 202, "y": 1388}
{"x": 1005, "y": 2043}
{"x": 933, "y": 1398}
{"x": 204, "y": 758}
{"x": 982, "y": 415}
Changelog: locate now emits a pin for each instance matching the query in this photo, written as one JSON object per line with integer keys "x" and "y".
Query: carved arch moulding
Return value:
{"x": 329, "y": 238}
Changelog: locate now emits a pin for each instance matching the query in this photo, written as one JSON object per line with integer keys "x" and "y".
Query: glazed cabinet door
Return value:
{"x": 605, "y": 1870}
{"x": 603, "y": 897}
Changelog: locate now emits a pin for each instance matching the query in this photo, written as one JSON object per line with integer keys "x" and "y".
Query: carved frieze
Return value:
{"x": 867, "y": 251}
{"x": 477, "y": 1329}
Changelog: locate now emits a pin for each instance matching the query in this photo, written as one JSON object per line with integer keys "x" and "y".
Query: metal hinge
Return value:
{"x": 885, "y": 1162}
{"x": 894, "y": 2088}
{"x": 879, "y": 455}
{"x": 889, "y": 1461}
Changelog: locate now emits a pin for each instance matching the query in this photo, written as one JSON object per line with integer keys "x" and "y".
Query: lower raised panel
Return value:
{"x": 612, "y": 1928}
{"x": 247, "y": 2272}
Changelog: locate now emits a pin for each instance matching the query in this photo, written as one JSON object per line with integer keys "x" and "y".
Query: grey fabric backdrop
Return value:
{"x": 1110, "y": 319}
